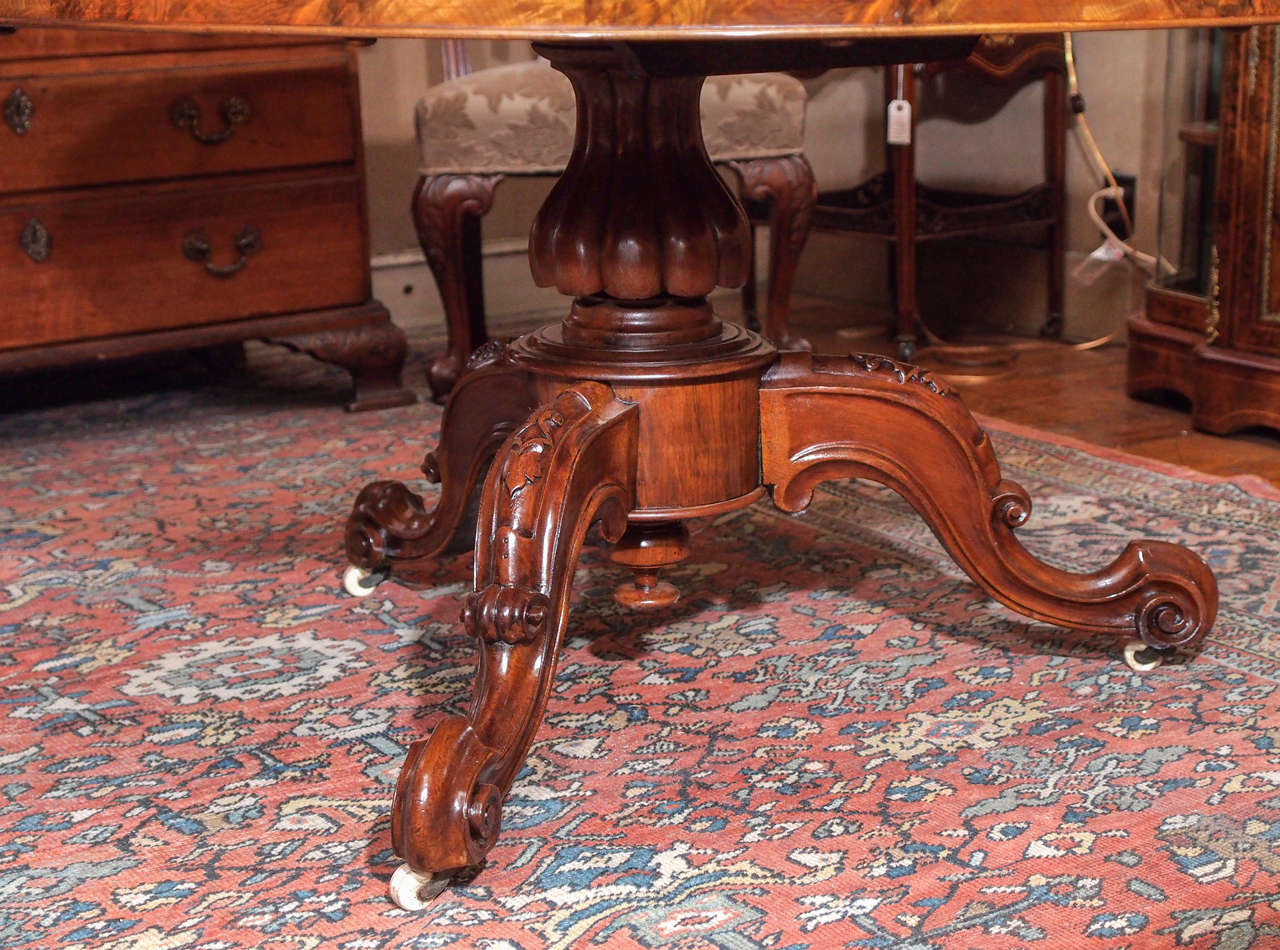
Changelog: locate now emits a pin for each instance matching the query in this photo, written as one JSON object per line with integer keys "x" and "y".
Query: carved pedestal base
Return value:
{"x": 573, "y": 462}
{"x": 640, "y": 411}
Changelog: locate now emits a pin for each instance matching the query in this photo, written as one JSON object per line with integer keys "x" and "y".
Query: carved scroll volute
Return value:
{"x": 639, "y": 211}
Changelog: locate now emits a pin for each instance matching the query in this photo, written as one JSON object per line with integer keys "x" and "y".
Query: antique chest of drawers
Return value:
{"x": 166, "y": 191}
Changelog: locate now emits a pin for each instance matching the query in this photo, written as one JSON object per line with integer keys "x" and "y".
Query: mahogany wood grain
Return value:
{"x": 37, "y": 43}
{"x": 870, "y": 417}
{"x": 111, "y": 250}
{"x": 647, "y": 548}
{"x": 644, "y": 19}
{"x": 166, "y": 191}
{"x": 390, "y": 523}
{"x": 118, "y": 116}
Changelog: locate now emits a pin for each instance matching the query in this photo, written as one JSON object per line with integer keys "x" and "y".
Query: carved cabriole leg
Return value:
{"x": 571, "y": 464}
{"x": 869, "y": 417}
{"x": 373, "y": 353}
{"x": 786, "y": 182}
{"x": 446, "y": 212}
{"x": 389, "y": 523}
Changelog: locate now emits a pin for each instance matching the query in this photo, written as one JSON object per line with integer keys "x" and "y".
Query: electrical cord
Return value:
{"x": 985, "y": 355}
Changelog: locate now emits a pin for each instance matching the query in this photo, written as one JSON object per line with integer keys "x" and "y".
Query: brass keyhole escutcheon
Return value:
{"x": 19, "y": 111}
{"x": 36, "y": 241}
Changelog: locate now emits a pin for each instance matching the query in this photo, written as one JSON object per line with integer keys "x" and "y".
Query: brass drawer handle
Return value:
{"x": 36, "y": 241}
{"x": 196, "y": 247}
{"x": 19, "y": 110}
{"x": 185, "y": 114}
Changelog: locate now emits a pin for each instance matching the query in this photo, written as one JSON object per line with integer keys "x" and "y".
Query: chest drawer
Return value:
{"x": 127, "y": 260}
{"x": 41, "y": 43}
{"x": 64, "y": 127}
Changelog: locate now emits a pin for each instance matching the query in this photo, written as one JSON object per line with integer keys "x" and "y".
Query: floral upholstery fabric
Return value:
{"x": 519, "y": 118}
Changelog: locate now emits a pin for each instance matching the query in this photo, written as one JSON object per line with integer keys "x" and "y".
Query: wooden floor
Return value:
{"x": 1048, "y": 386}
{"x": 1053, "y": 387}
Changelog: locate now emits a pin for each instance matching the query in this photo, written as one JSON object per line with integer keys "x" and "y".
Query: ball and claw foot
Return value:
{"x": 1142, "y": 658}
{"x": 413, "y": 891}
{"x": 358, "y": 582}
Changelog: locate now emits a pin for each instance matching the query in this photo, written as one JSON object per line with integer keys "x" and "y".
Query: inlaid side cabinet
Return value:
{"x": 1211, "y": 331}
{"x": 161, "y": 192}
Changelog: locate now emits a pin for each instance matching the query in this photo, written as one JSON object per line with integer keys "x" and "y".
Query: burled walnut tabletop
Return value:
{"x": 641, "y": 19}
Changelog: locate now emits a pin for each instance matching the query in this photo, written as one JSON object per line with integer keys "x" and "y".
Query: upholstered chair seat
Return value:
{"x": 519, "y": 119}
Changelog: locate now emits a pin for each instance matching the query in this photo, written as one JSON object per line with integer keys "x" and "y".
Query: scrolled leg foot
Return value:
{"x": 390, "y": 523}
{"x": 871, "y": 417}
{"x": 570, "y": 465}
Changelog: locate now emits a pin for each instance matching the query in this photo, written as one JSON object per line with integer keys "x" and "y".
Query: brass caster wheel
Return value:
{"x": 1141, "y": 658}
{"x": 413, "y": 891}
{"x": 358, "y": 582}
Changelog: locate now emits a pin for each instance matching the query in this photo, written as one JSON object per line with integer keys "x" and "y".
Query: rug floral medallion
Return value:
{"x": 833, "y": 740}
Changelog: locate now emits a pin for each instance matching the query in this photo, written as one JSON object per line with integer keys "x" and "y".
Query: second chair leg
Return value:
{"x": 786, "y": 182}
{"x": 447, "y": 210}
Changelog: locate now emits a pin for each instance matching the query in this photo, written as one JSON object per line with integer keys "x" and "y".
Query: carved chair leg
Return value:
{"x": 446, "y": 212}
{"x": 390, "y": 523}
{"x": 786, "y": 182}
{"x": 372, "y": 352}
{"x": 571, "y": 464}
{"x": 870, "y": 417}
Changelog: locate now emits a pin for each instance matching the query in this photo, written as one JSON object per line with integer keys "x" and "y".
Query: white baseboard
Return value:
{"x": 404, "y": 284}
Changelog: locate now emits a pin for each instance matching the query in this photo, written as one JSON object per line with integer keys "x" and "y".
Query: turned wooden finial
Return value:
{"x": 647, "y": 549}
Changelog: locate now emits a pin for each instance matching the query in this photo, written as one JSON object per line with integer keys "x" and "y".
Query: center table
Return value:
{"x": 641, "y": 409}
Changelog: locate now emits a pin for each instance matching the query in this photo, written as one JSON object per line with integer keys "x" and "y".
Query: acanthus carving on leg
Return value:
{"x": 570, "y": 465}
{"x": 787, "y": 183}
{"x": 447, "y": 210}
{"x": 870, "y": 417}
{"x": 389, "y": 522}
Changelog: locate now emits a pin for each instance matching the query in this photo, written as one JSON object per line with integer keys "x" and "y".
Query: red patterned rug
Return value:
{"x": 834, "y": 740}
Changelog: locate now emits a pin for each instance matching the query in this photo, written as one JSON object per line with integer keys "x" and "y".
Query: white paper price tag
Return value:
{"x": 899, "y": 123}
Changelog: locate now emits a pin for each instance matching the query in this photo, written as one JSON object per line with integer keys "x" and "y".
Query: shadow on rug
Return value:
{"x": 834, "y": 740}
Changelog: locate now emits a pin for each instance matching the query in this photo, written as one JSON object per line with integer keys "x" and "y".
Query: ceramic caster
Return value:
{"x": 413, "y": 891}
{"x": 1141, "y": 658}
{"x": 358, "y": 582}
{"x": 906, "y": 349}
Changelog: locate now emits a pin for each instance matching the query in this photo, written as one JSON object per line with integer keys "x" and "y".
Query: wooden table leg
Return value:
{"x": 570, "y": 465}
{"x": 825, "y": 417}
